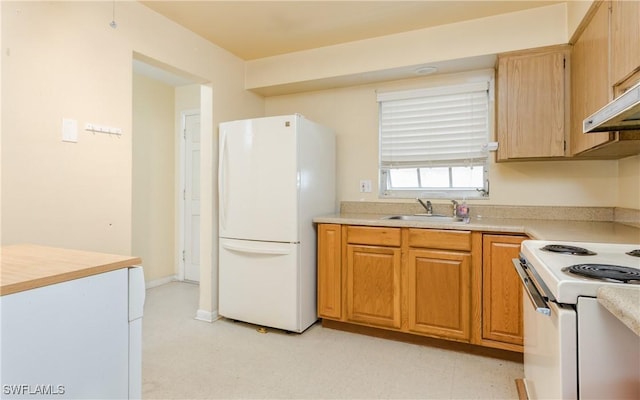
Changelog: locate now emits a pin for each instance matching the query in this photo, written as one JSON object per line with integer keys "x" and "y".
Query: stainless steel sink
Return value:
{"x": 426, "y": 217}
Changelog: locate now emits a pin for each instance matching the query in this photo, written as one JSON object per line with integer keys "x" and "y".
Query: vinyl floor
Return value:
{"x": 184, "y": 358}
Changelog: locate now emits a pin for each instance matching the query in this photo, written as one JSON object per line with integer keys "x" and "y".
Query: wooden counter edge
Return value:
{"x": 67, "y": 276}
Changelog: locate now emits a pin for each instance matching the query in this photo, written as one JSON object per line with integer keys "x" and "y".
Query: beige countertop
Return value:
{"x": 575, "y": 231}
{"x": 28, "y": 266}
{"x": 624, "y": 303}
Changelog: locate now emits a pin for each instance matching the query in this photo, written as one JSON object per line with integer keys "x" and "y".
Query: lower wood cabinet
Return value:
{"x": 373, "y": 285}
{"x": 501, "y": 293}
{"x": 329, "y": 270}
{"x": 439, "y": 293}
{"x": 448, "y": 284}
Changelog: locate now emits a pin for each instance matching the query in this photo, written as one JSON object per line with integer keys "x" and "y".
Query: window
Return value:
{"x": 433, "y": 142}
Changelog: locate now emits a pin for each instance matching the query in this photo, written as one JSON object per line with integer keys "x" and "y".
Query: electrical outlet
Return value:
{"x": 365, "y": 186}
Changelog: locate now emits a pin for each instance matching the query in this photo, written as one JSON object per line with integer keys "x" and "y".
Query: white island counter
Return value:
{"x": 71, "y": 324}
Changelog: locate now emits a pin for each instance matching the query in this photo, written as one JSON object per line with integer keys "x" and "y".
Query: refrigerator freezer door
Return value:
{"x": 258, "y": 179}
{"x": 260, "y": 283}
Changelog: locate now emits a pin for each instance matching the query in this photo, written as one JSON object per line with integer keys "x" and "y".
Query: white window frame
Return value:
{"x": 482, "y": 83}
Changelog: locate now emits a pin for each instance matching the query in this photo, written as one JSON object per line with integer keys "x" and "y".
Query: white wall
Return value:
{"x": 153, "y": 175}
{"x": 55, "y": 193}
{"x": 353, "y": 113}
{"x": 576, "y": 10}
{"x": 208, "y": 309}
{"x": 629, "y": 182}
{"x": 62, "y": 59}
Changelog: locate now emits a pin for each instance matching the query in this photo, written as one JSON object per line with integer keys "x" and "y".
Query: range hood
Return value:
{"x": 620, "y": 114}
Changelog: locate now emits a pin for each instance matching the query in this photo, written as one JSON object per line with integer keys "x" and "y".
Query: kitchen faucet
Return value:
{"x": 426, "y": 206}
{"x": 455, "y": 208}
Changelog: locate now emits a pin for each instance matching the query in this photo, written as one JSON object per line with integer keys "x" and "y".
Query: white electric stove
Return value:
{"x": 574, "y": 348}
{"x": 555, "y": 258}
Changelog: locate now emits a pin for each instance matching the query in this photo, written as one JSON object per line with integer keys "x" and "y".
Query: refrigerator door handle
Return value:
{"x": 257, "y": 250}
{"x": 222, "y": 181}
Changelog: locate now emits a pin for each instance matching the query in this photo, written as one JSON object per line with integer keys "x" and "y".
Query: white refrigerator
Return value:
{"x": 275, "y": 175}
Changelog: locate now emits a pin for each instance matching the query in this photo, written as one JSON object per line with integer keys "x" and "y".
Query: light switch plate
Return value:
{"x": 69, "y": 130}
{"x": 365, "y": 186}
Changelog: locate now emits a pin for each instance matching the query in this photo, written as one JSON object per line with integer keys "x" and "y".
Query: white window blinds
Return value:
{"x": 442, "y": 126}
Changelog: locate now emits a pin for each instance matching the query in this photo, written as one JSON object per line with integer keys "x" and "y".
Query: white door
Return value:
{"x": 191, "y": 251}
{"x": 258, "y": 179}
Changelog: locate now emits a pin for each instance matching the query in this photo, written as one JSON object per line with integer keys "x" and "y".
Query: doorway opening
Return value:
{"x": 167, "y": 107}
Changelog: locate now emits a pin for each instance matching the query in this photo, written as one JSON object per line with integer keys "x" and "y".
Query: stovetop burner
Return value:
{"x": 634, "y": 253}
{"x": 605, "y": 271}
{"x": 566, "y": 249}
{"x": 566, "y": 287}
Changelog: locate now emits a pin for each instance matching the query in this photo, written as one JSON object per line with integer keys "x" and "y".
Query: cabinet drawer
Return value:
{"x": 440, "y": 239}
{"x": 374, "y": 235}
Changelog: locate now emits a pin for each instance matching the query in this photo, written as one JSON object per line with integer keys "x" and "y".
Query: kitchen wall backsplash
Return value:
{"x": 622, "y": 215}
{"x": 627, "y": 216}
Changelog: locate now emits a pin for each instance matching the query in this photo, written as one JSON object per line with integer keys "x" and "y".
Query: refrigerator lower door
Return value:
{"x": 259, "y": 283}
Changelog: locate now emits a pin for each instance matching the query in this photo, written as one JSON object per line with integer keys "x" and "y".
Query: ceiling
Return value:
{"x": 257, "y": 29}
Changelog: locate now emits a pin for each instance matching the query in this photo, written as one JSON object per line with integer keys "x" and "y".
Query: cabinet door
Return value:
{"x": 501, "y": 291}
{"x": 329, "y": 271}
{"x": 373, "y": 285}
{"x": 532, "y": 104}
{"x": 590, "y": 86}
{"x": 439, "y": 293}
{"x": 625, "y": 39}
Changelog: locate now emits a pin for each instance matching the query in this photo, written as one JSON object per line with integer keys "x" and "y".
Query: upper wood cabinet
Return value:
{"x": 605, "y": 62}
{"x": 533, "y": 103}
{"x": 589, "y": 93}
{"x": 625, "y": 41}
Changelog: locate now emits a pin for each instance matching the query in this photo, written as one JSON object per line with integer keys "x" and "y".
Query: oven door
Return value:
{"x": 550, "y": 344}
{"x": 608, "y": 354}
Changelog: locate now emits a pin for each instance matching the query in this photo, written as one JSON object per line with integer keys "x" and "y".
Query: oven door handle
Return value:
{"x": 534, "y": 295}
